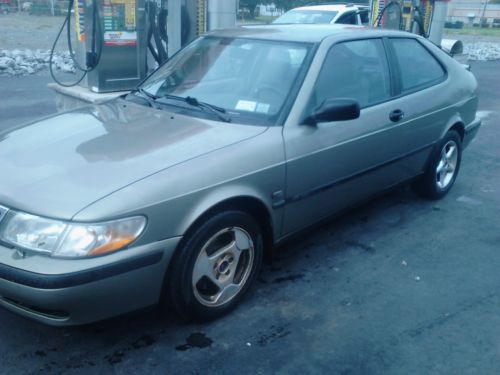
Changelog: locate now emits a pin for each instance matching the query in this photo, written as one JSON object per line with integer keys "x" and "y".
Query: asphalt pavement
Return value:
{"x": 398, "y": 286}
{"x": 24, "y": 99}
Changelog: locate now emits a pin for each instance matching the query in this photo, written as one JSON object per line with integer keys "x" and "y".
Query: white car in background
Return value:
{"x": 350, "y": 14}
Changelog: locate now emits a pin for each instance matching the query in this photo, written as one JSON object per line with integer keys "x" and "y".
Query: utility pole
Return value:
{"x": 483, "y": 19}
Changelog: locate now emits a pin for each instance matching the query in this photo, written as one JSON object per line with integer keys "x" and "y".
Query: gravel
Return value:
{"x": 482, "y": 51}
{"x": 23, "y": 62}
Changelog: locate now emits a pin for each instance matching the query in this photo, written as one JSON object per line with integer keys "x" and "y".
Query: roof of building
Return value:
{"x": 476, "y": 6}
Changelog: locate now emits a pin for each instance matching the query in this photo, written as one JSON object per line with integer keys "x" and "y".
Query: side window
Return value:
{"x": 348, "y": 19}
{"x": 356, "y": 70}
{"x": 417, "y": 65}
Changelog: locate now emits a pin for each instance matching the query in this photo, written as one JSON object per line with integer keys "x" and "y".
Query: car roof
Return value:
{"x": 329, "y": 7}
{"x": 312, "y": 33}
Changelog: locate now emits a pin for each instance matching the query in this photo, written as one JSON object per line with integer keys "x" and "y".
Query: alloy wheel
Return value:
{"x": 447, "y": 165}
{"x": 223, "y": 267}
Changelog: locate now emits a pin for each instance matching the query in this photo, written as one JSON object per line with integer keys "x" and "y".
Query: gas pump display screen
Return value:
{"x": 119, "y": 23}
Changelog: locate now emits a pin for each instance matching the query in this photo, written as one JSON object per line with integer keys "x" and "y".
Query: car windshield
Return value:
{"x": 250, "y": 80}
{"x": 307, "y": 16}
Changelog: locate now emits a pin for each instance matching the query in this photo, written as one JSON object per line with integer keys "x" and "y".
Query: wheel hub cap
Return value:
{"x": 445, "y": 170}
{"x": 223, "y": 266}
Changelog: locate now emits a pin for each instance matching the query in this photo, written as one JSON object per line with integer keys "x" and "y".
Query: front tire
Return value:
{"x": 215, "y": 267}
{"x": 443, "y": 168}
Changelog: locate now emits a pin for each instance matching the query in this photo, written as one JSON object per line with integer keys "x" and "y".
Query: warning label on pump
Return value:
{"x": 119, "y": 22}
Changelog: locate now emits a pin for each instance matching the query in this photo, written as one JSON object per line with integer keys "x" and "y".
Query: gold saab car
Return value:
{"x": 245, "y": 137}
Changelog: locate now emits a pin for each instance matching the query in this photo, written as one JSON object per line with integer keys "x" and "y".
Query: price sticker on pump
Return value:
{"x": 119, "y": 22}
{"x": 120, "y": 38}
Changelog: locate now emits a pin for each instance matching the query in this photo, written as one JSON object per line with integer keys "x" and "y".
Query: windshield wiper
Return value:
{"x": 150, "y": 98}
{"x": 153, "y": 100}
{"x": 217, "y": 111}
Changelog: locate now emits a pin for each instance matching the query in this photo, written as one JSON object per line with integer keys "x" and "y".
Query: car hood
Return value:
{"x": 57, "y": 166}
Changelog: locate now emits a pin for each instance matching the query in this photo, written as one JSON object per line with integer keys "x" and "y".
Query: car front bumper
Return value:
{"x": 79, "y": 291}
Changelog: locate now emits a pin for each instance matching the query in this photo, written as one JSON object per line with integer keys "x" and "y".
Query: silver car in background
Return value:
{"x": 347, "y": 14}
{"x": 174, "y": 192}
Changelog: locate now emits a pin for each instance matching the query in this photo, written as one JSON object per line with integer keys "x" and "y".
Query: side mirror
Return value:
{"x": 334, "y": 110}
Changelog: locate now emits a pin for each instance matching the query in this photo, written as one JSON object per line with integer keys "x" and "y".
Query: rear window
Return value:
{"x": 418, "y": 66}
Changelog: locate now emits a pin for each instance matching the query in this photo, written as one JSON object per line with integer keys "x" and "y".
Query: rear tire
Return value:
{"x": 216, "y": 265}
{"x": 443, "y": 168}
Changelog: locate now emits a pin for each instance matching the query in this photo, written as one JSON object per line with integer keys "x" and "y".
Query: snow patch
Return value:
{"x": 484, "y": 115}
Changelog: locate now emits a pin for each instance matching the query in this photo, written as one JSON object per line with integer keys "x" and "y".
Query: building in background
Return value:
{"x": 268, "y": 10}
{"x": 474, "y": 12}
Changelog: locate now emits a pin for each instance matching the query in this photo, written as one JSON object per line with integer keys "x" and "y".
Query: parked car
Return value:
{"x": 26, "y": 7}
{"x": 351, "y": 14}
{"x": 7, "y": 6}
{"x": 175, "y": 191}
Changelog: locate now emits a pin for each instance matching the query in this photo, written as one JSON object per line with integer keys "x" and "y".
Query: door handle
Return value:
{"x": 396, "y": 115}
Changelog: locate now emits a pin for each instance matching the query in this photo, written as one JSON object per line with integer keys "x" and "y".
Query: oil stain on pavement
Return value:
{"x": 195, "y": 340}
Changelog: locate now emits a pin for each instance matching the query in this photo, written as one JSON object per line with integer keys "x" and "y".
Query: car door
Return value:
{"x": 423, "y": 97}
{"x": 330, "y": 166}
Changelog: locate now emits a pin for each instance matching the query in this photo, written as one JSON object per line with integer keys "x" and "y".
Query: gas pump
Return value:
{"x": 112, "y": 41}
{"x": 110, "y": 50}
{"x": 423, "y": 17}
{"x": 409, "y": 15}
{"x": 119, "y": 41}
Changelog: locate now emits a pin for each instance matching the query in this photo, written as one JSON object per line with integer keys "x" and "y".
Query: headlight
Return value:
{"x": 66, "y": 239}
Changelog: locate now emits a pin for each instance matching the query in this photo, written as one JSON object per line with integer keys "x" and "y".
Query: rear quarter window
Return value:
{"x": 349, "y": 18}
{"x": 365, "y": 17}
{"x": 418, "y": 67}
